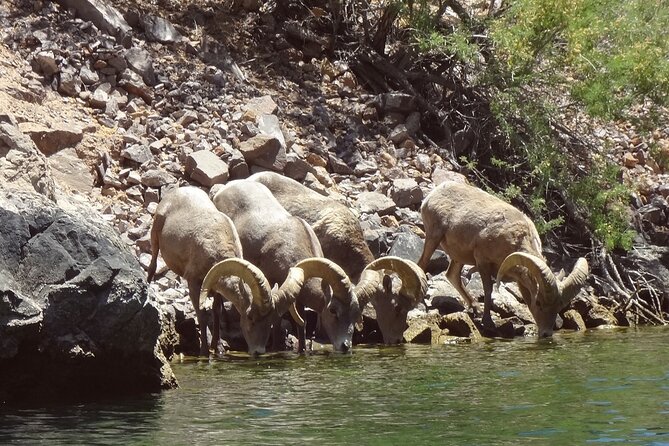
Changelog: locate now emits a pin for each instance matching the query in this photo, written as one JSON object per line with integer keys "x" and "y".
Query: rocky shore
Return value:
{"x": 103, "y": 108}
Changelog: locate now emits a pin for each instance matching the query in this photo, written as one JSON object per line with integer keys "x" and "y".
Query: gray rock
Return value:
{"x": 263, "y": 105}
{"x": 157, "y": 29}
{"x": 206, "y": 168}
{"x": 407, "y": 245}
{"x": 237, "y": 165}
{"x": 76, "y": 310}
{"x": 70, "y": 172}
{"x": 22, "y": 166}
{"x": 45, "y": 62}
{"x": 103, "y": 15}
{"x": 100, "y": 96}
{"x": 375, "y": 203}
{"x": 14, "y": 139}
{"x": 157, "y": 178}
{"x": 365, "y": 167}
{"x": 69, "y": 83}
{"x": 338, "y": 165}
{"x": 264, "y": 151}
{"x": 593, "y": 313}
{"x": 133, "y": 84}
{"x": 140, "y": 61}
{"x": 297, "y": 168}
{"x": 413, "y": 123}
{"x": 405, "y": 192}
{"x": 138, "y": 153}
{"x": 399, "y": 134}
{"x": 88, "y": 76}
{"x": 507, "y": 304}
{"x": 269, "y": 125}
{"x": 396, "y": 102}
{"x": 572, "y": 320}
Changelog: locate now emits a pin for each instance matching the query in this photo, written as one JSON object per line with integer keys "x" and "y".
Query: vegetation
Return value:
{"x": 606, "y": 54}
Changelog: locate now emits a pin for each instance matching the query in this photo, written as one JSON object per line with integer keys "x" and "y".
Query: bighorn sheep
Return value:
{"x": 337, "y": 228}
{"x": 476, "y": 228}
{"x": 192, "y": 236}
{"x": 342, "y": 240}
{"x": 274, "y": 241}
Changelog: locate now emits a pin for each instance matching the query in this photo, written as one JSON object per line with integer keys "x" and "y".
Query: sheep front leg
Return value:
{"x": 216, "y": 332}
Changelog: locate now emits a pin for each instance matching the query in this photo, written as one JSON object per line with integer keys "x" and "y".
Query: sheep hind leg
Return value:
{"x": 431, "y": 244}
{"x": 156, "y": 229}
{"x": 453, "y": 274}
{"x": 202, "y": 316}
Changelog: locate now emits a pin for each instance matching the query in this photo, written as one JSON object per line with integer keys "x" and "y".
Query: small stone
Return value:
{"x": 629, "y": 160}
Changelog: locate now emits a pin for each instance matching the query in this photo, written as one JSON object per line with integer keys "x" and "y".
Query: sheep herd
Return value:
{"x": 271, "y": 246}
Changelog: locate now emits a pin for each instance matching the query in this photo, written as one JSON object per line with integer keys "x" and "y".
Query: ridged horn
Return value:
{"x": 548, "y": 287}
{"x": 572, "y": 284}
{"x": 414, "y": 281}
{"x": 331, "y": 272}
{"x": 246, "y": 271}
{"x": 288, "y": 291}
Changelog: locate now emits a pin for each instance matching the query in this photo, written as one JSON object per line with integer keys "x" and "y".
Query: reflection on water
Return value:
{"x": 600, "y": 387}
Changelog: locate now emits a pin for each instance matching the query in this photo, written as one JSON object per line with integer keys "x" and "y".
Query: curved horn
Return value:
{"x": 287, "y": 294}
{"x": 331, "y": 273}
{"x": 414, "y": 281}
{"x": 572, "y": 284}
{"x": 249, "y": 273}
{"x": 548, "y": 287}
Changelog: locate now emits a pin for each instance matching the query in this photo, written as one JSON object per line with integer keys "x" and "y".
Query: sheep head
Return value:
{"x": 342, "y": 310}
{"x": 544, "y": 293}
{"x": 260, "y": 311}
{"x": 392, "y": 306}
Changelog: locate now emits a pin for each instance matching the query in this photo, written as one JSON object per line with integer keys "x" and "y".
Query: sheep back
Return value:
{"x": 476, "y": 226}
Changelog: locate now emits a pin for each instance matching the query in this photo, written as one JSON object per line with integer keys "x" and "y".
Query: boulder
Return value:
{"x": 102, "y": 14}
{"x": 206, "y": 168}
{"x": 50, "y": 140}
{"x": 405, "y": 192}
{"x": 264, "y": 151}
{"x": 21, "y": 164}
{"x": 460, "y": 324}
{"x": 77, "y": 318}
{"x": 157, "y": 29}
{"x": 375, "y": 203}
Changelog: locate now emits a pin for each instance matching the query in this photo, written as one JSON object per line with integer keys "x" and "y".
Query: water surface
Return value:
{"x": 598, "y": 387}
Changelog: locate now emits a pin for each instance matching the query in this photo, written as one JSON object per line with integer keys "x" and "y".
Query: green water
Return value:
{"x": 599, "y": 387}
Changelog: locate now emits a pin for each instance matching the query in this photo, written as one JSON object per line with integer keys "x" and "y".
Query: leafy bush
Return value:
{"x": 607, "y": 54}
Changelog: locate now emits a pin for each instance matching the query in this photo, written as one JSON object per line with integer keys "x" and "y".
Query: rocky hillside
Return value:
{"x": 126, "y": 100}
